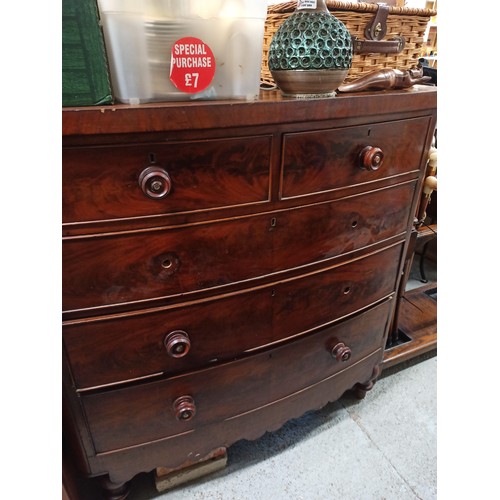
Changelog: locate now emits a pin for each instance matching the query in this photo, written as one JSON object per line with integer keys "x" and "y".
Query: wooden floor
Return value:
{"x": 417, "y": 325}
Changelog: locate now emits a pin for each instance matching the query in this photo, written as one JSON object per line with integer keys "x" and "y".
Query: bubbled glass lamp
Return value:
{"x": 311, "y": 52}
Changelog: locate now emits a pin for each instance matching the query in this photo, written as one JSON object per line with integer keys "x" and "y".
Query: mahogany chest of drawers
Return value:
{"x": 228, "y": 266}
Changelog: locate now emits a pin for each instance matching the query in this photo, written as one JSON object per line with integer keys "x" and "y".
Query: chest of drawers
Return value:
{"x": 228, "y": 266}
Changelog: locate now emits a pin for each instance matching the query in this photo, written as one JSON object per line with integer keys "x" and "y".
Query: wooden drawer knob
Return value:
{"x": 371, "y": 158}
{"x": 155, "y": 182}
{"x": 177, "y": 344}
{"x": 341, "y": 352}
{"x": 184, "y": 408}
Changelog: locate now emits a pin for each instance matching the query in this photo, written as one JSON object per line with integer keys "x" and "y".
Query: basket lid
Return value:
{"x": 286, "y": 7}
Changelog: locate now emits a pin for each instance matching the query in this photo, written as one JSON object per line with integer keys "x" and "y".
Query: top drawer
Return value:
{"x": 112, "y": 182}
{"x": 325, "y": 160}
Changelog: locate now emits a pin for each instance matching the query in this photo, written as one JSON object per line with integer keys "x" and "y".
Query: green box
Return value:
{"x": 85, "y": 73}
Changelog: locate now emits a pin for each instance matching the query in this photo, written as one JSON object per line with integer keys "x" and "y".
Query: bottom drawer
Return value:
{"x": 156, "y": 410}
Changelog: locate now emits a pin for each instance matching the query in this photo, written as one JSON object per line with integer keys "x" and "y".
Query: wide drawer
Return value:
{"x": 193, "y": 335}
{"x": 325, "y": 160}
{"x": 131, "y": 267}
{"x": 162, "y": 409}
{"x": 103, "y": 183}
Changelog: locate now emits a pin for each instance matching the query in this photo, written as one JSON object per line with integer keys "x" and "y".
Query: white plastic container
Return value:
{"x": 160, "y": 50}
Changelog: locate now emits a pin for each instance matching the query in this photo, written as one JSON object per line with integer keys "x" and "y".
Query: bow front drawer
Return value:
{"x": 163, "y": 409}
{"x": 116, "y": 182}
{"x": 148, "y": 265}
{"x": 326, "y": 160}
{"x": 192, "y": 335}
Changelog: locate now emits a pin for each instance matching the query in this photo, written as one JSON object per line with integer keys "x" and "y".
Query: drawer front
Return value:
{"x": 147, "y": 412}
{"x": 325, "y": 160}
{"x": 325, "y": 230}
{"x": 103, "y": 183}
{"x": 220, "y": 329}
{"x": 153, "y": 264}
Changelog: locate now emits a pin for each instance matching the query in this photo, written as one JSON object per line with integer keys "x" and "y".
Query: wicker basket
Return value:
{"x": 407, "y": 22}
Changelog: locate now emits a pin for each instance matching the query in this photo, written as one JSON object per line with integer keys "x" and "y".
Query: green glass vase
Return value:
{"x": 311, "y": 52}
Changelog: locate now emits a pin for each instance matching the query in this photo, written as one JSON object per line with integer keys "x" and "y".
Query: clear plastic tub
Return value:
{"x": 160, "y": 50}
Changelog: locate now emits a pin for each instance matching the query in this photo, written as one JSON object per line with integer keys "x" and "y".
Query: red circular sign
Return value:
{"x": 192, "y": 65}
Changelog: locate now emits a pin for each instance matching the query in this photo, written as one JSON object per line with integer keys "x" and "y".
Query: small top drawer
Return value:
{"x": 112, "y": 182}
{"x": 325, "y": 160}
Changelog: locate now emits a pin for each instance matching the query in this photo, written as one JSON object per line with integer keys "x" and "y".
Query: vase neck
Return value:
{"x": 311, "y": 6}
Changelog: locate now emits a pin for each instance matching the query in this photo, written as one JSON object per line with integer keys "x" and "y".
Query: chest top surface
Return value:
{"x": 270, "y": 109}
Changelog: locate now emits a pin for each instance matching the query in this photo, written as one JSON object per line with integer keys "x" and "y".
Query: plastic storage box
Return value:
{"x": 160, "y": 50}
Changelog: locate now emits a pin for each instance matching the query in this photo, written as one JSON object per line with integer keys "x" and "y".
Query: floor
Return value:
{"x": 381, "y": 447}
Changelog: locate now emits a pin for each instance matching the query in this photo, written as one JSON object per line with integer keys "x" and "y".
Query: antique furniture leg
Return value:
{"x": 360, "y": 390}
{"x": 114, "y": 491}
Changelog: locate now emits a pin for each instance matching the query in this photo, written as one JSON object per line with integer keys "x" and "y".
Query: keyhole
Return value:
{"x": 169, "y": 263}
{"x": 354, "y": 223}
{"x": 347, "y": 290}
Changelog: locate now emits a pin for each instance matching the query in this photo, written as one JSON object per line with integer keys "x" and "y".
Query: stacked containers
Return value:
{"x": 180, "y": 50}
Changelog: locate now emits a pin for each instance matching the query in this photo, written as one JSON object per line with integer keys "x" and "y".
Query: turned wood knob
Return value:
{"x": 155, "y": 182}
{"x": 177, "y": 344}
{"x": 341, "y": 352}
{"x": 184, "y": 408}
{"x": 371, "y": 158}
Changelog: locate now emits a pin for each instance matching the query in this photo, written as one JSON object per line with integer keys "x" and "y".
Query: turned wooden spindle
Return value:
{"x": 430, "y": 185}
